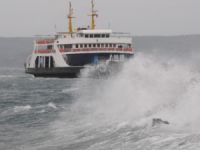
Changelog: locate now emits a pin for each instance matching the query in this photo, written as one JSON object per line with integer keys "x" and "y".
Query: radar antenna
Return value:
{"x": 70, "y": 17}
{"x": 93, "y": 15}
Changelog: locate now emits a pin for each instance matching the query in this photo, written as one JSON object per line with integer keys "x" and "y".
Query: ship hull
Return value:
{"x": 100, "y": 70}
{"x": 61, "y": 72}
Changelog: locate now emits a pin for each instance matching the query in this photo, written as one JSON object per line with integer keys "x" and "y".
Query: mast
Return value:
{"x": 70, "y": 17}
{"x": 93, "y": 15}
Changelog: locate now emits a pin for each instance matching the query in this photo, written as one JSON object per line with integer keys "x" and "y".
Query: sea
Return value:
{"x": 161, "y": 82}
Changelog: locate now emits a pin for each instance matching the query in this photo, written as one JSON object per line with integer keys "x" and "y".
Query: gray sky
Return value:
{"x": 140, "y": 17}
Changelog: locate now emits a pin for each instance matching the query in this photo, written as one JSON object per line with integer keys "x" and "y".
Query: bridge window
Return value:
{"x": 97, "y": 35}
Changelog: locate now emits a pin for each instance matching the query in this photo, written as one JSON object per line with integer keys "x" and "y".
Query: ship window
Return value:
{"x": 107, "y": 35}
{"x": 120, "y": 46}
{"x": 77, "y": 46}
{"x": 49, "y": 46}
{"x": 81, "y": 35}
{"x": 86, "y": 36}
{"x": 110, "y": 45}
{"x": 114, "y": 45}
{"x": 98, "y": 45}
{"x": 102, "y": 45}
{"x": 81, "y": 45}
{"x": 94, "y": 45}
{"x": 91, "y": 35}
{"x": 106, "y": 45}
{"x": 90, "y": 45}
{"x": 97, "y": 35}
{"x": 103, "y": 35}
{"x": 68, "y": 46}
{"x": 85, "y": 45}
{"x": 129, "y": 45}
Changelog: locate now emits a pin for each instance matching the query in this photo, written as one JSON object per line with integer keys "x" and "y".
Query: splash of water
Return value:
{"x": 146, "y": 89}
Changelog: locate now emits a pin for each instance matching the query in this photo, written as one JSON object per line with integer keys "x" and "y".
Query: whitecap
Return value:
{"x": 69, "y": 90}
{"x": 18, "y": 109}
{"x": 52, "y": 105}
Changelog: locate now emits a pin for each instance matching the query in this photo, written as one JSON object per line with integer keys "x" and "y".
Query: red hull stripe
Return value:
{"x": 46, "y": 41}
{"x": 44, "y": 51}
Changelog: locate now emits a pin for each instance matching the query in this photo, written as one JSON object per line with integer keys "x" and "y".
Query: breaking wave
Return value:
{"x": 145, "y": 89}
{"x": 117, "y": 112}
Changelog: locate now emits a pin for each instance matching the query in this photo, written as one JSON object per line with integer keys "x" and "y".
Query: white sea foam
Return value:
{"x": 147, "y": 89}
{"x": 125, "y": 105}
{"x": 69, "y": 90}
{"x": 52, "y": 105}
{"x": 18, "y": 109}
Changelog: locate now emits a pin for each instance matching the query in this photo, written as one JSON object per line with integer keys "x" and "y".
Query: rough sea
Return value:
{"x": 113, "y": 113}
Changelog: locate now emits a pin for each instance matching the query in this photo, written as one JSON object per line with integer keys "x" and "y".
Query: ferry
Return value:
{"x": 67, "y": 53}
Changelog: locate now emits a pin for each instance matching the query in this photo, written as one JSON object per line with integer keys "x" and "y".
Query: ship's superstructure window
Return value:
{"x": 97, "y": 36}
{"x": 68, "y": 46}
{"x": 94, "y": 45}
{"x": 77, "y": 46}
{"x": 44, "y": 46}
{"x": 90, "y": 45}
{"x": 85, "y": 45}
{"x": 49, "y": 46}
{"x": 102, "y": 45}
{"x": 106, "y": 45}
{"x": 81, "y": 45}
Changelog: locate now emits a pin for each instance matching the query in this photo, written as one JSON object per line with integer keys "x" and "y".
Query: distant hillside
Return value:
{"x": 13, "y": 51}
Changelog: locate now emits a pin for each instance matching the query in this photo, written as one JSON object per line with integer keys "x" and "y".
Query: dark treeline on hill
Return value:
{"x": 14, "y": 51}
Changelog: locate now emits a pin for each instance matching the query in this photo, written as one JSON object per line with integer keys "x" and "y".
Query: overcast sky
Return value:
{"x": 140, "y": 17}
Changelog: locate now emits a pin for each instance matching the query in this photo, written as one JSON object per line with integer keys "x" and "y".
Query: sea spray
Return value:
{"x": 145, "y": 88}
